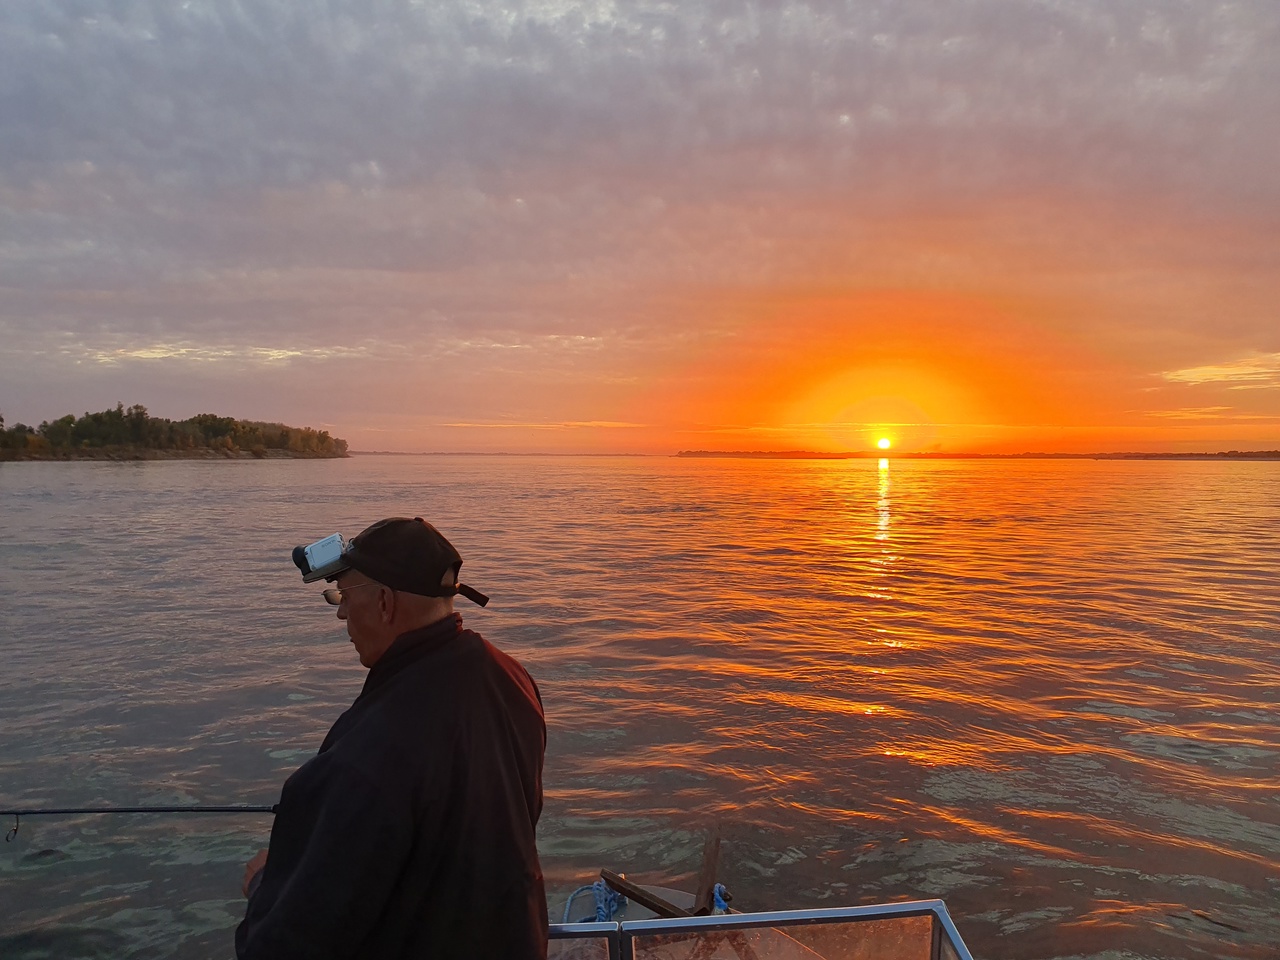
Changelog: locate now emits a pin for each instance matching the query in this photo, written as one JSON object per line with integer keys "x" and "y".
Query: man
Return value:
{"x": 411, "y": 832}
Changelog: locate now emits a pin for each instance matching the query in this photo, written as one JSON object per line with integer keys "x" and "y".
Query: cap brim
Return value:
{"x": 327, "y": 572}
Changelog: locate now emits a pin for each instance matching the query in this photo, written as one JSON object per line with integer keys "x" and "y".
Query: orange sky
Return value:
{"x": 1044, "y": 347}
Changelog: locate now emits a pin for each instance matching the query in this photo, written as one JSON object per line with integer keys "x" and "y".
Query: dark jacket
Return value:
{"x": 411, "y": 833}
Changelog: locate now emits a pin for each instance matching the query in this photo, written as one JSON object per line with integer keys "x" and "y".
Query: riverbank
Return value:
{"x": 142, "y": 453}
{"x": 131, "y": 433}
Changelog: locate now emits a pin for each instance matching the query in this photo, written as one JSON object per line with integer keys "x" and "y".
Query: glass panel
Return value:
{"x": 896, "y": 938}
{"x": 578, "y": 948}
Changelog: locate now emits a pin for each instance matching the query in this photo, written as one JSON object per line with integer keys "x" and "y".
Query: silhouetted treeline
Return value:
{"x": 131, "y": 430}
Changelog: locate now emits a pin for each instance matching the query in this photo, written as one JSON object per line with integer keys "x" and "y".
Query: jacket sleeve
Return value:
{"x": 327, "y": 906}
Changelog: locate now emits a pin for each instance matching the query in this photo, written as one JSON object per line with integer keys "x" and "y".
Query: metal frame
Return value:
{"x": 588, "y": 931}
{"x": 621, "y": 934}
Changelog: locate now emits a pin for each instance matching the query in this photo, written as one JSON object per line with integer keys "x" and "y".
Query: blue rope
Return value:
{"x": 572, "y": 897}
{"x": 608, "y": 902}
{"x": 718, "y": 892}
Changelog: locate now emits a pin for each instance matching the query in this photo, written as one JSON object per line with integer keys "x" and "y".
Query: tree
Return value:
{"x": 132, "y": 429}
{"x": 60, "y": 432}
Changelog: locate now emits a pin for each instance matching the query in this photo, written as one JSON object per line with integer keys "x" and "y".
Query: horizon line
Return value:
{"x": 845, "y": 455}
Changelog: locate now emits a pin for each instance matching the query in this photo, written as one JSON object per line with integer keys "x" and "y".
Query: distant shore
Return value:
{"x": 892, "y": 455}
{"x": 126, "y": 454}
{"x": 849, "y": 455}
{"x": 133, "y": 434}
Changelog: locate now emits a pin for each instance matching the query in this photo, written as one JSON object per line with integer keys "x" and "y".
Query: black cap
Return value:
{"x": 409, "y": 555}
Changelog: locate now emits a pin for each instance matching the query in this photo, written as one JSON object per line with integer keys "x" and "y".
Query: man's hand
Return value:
{"x": 252, "y": 869}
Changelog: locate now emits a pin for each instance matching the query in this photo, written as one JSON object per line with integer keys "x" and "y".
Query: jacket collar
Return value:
{"x": 411, "y": 647}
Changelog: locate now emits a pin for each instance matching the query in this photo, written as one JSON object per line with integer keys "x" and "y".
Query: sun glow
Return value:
{"x": 884, "y": 443}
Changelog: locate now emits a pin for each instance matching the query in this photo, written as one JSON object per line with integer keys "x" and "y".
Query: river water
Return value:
{"x": 1047, "y": 692}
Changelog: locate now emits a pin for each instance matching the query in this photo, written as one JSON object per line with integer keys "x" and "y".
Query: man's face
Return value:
{"x": 361, "y": 608}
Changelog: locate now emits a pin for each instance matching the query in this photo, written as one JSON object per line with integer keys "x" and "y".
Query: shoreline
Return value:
{"x": 126, "y": 454}
{"x": 1257, "y": 455}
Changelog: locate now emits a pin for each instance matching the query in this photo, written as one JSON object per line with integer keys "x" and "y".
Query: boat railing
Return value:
{"x": 910, "y": 930}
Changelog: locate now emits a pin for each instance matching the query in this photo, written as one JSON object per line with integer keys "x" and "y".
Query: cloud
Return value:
{"x": 199, "y": 354}
{"x": 479, "y": 114}
{"x": 1214, "y": 414}
{"x": 1261, "y": 370}
{"x": 539, "y": 425}
{"x": 1189, "y": 413}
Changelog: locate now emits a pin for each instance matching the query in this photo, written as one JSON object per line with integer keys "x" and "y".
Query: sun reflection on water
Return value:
{"x": 882, "y": 502}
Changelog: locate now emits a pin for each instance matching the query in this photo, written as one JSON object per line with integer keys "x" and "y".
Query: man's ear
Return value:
{"x": 387, "y": 604}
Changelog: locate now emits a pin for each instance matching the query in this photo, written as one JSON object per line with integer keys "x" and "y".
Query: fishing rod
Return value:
{"x": 70, "y": 811}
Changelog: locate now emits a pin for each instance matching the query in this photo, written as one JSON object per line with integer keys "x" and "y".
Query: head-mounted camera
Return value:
{"x": 402, "y": 553}
{"x": 323, "y": 559}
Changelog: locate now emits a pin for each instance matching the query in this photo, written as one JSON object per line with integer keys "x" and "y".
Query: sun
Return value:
{"x": 884, "y": 443}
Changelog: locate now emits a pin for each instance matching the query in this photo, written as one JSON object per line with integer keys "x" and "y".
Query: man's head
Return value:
{"x": 375, "y": 614}
{"x": 394, "y": 576}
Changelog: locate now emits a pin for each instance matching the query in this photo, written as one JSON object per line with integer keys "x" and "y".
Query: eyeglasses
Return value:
{"x": 333, "y": 596}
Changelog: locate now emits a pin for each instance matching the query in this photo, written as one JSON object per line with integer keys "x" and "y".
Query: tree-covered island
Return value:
{"x": 130, "y": 433}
